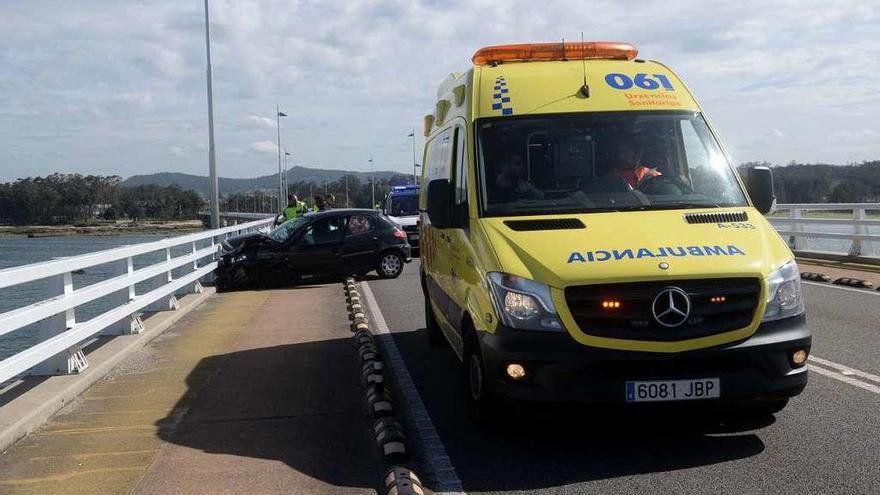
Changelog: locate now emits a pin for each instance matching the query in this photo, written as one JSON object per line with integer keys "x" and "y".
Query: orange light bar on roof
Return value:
{"x": 534, "y": 52}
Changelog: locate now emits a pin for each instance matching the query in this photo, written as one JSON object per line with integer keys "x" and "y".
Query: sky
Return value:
{"x": 110, "y": 87}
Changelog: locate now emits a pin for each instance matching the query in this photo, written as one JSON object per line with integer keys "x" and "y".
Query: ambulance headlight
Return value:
{"x": 784, "y": 295}
{"x": 522, "y": 303}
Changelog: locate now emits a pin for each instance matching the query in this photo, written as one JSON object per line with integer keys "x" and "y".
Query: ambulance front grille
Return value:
{"x": 716, "y": 306}
{"x": 545, "y": 224}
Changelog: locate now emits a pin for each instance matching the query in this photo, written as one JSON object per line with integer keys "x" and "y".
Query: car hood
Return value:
{"x": 236, "y": 243}
{"x": 632, "y": 246}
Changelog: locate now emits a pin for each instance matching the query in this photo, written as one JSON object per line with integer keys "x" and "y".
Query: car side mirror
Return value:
{"x": 760, "y": 186}
{"x": 439, "y": 203}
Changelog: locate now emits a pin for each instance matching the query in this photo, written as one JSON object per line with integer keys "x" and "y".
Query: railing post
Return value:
{"x": 169, "y": 302}
{"x": 195, "y": 287}
{"x": 72, "y": 360}
{"x": 132, "y": 323}
{"x": 856, "y": 247}
{"x": 796, "y": 242}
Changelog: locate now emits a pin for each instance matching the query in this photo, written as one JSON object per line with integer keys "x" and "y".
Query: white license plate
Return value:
{"x": 666, "y": 390}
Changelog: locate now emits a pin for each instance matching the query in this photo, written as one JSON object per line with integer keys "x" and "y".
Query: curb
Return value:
{"x": 387, "y": 429}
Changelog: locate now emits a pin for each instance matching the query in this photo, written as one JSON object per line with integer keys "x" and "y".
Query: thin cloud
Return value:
{"x": 264, "y": 147}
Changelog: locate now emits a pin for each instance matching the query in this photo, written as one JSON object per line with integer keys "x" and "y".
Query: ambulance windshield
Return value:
{"x": 602, "y": 162}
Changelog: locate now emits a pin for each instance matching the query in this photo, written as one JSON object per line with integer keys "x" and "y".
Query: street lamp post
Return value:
{"x": 212, "y": 163}
{"x": 415, "y": 165}
{"x": 286, "y": 178}
{"x": 278, "y": 115}
{"x": 372, "y": 185}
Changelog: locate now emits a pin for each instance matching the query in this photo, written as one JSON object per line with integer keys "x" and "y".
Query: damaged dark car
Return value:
{"x": 326, "y": 244}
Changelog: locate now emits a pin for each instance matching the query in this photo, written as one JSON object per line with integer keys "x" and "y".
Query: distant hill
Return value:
{"x": 199, "y": 183}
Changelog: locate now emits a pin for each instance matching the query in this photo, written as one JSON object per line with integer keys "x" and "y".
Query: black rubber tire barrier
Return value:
{"x": 391, "y": 439}
{"x": 379, "y": 402}
{"x": 403, "y": 481}
{"x": 815, "y": 277}
{"x": 854, "y": 282}
{"x": 390, "y": 436}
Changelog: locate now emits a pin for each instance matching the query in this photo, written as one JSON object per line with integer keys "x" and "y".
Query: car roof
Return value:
{"x": 341, "y": 211}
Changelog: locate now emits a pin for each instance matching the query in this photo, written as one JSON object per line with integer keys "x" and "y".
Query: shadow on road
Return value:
{"x": 299, "y": 404}
{"x": 566, "y": 447}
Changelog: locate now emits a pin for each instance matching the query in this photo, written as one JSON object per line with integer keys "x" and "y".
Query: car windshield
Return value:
{"x": 283, "y": 231}
{"x": 602, "y": 162}
{"x": 399, "y": 206}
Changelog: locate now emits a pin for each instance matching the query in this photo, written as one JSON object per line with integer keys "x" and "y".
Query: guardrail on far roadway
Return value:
{"x": 862, "y": 233}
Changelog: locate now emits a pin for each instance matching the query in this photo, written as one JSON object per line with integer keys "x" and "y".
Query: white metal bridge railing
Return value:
{"x": 854, "y": 238}
{"x": 60, "y": 335}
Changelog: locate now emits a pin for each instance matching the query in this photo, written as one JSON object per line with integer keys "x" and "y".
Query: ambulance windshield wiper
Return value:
{"x": 677, "y": 205}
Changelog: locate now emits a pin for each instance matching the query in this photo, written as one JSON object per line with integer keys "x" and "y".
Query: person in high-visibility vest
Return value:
{"x": 295, "y": 207}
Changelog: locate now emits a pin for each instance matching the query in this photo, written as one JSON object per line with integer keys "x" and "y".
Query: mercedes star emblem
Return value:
{"x": 671, "y": 307}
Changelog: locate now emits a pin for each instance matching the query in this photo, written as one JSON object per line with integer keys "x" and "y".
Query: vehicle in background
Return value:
{"x": 402, "y": 206}
{"x": 332, "y": 243}
{"x": 586, "y": 238}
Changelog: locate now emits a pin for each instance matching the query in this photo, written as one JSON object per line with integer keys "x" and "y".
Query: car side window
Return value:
{"x": 325, "y": 231}
{"x": 360, "y": 224}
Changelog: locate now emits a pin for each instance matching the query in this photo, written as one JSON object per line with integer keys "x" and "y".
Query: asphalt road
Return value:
{"x": 825, "y": 441}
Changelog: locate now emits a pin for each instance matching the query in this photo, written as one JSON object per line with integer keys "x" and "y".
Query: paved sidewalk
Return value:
{"x": 254, "y": 392}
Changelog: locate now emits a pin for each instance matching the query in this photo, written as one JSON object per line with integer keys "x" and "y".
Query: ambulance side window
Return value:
{"x": 437, "y": 161}
{"x": 460, "y": 168}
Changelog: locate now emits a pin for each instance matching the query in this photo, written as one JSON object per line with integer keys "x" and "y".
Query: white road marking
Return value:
{"x": 843, "y": 378}
{"x": 845, "y": 370}
{"x": 435, "y": 453}
{"x": 870, "y": 292}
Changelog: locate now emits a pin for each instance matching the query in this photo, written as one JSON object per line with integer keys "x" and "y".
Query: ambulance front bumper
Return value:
{"x": 559, "y": 369}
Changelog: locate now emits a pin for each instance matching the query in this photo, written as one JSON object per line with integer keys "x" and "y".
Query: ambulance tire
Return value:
{"x": 482, "y": 407}
{"x": 432, "y": 327}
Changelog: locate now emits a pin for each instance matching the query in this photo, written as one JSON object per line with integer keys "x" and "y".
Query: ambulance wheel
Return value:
{"x": 390, "y": 265}
{"x": 435, "y": 335}
{"x": 480, "y": 403}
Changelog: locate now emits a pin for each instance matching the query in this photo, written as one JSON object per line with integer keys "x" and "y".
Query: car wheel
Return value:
{"x": 435, "y": 335}
{"x": 390, "y": 264}
{"x": 481, "y": 405}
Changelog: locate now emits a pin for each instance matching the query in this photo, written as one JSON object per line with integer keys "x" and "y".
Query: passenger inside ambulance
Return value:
{"x": 602, "y": 162}
{"x": 624, "y": 156}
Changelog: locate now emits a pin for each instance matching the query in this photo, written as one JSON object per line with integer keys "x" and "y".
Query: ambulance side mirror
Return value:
{"x": 439, "y": 204}
{"x": 760, "y": 186}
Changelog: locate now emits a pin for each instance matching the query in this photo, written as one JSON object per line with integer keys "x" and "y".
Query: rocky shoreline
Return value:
{"x": 102, "y": 229}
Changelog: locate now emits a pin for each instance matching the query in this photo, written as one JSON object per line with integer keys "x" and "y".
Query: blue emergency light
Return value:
{"x": 405, "y": 188}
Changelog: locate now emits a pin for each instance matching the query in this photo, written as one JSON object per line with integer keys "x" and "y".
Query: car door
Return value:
{"x": 362, "y": 243}
{"x": 318, "y": 250}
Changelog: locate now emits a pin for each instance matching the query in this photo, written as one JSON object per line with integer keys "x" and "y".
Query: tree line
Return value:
{"x": 77, "y": 199}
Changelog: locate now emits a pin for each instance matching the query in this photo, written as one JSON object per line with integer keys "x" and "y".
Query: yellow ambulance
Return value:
{"x": 585, "y": 238}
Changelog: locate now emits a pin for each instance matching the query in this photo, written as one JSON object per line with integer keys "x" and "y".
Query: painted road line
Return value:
{"x": 443, "y": 472}
{"x": 845, "y": 370}
{"x": 845, "y": 379}
{"x": 848, "y": 289}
